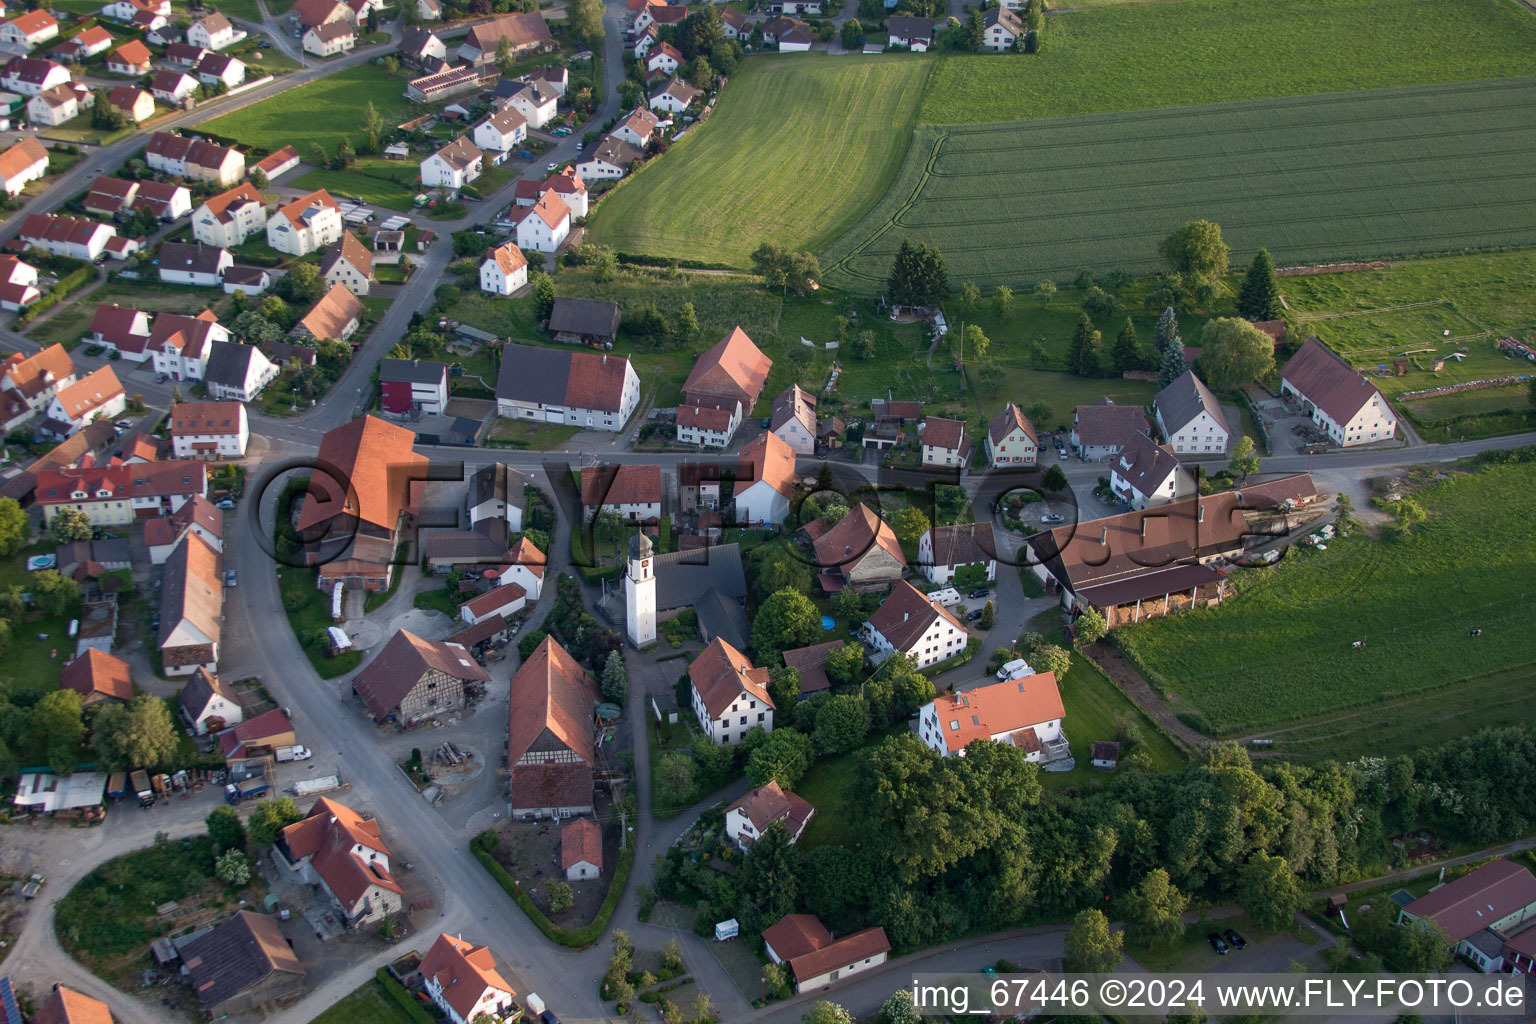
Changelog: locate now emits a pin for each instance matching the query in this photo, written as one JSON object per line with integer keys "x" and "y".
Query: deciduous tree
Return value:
{"x": 1045, "y": 291}
{"x": 976, "y": 343}
{"x": 1154, "y": 910}
{"x": 55, "y": 726}
{"x": 1055, "y": 479}
{"x": 1233, "y": 353}
{"x": 270, "y": 817}
{"x": 225, "y": 828}
{"x": 233, "y": 869}
{"x": 1245, "y": 457}
{"x": 824, "y": 1012}
{"x": 783, "y": 687}
{"x": 69, "y": 525}
{"x": 1051, "y": 658}
{"x": 1040, "y": 413}
{"x": 783, "y": 757}
{"x": 841, "y": 724}
{"x": 559, "y": 896}
{"x": 1090, "y": 946}
{"x": 55, "y": 594}
{"x": 585, "y": 18}
{"x": 138, "y": 734}
{"x": 786, "y": 620}
{"x": 900, "y": 1009}
{"x": 1002, "y": 302}
{"x": 1196, "y": 251}
{"x": 1268, "y": 890}
{"x": 1090, "y": 626}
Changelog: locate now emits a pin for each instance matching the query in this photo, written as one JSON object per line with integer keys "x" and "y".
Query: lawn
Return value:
{"x": 1172, "y": 54}
{"x": 380, "y": 182}
{"x": 1312, "y": 178}
{"x": 1280, "y": 650}
{"x": 309, "y": 613}
{"x": 1095, "y": 708}
{"x": 318, "y": 112}
{"x": 836, "y": 129}
{"x": 37, "y": 651}
{"x": 71, "y": 321}
{"x": 825, "y": 786}
{"x": 369, "y": 1004}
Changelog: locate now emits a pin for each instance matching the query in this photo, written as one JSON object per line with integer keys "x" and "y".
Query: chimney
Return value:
{"x": 1104, "y": 535}
{"x": 1143, "y": 527}
{"x": 1199, "y": 510}
{"x": 905, "y": 616}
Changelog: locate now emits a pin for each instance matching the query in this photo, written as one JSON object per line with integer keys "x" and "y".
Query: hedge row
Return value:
{"x": 66, "y": 285}
{"x": 576, "y": 938}
{"x": 406, "y": 1001}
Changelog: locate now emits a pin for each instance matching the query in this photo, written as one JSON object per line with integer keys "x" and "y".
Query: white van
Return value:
{"x": 1016, "y": 669}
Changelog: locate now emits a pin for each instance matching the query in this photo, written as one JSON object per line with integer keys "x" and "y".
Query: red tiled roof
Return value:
{"x": 1476, "y": 900}
{"x": 844, "y": 952}
{"x": 581, "y": 840}
{"x": 282, "y": 156}
{"x": 1105, "y": 423}
{"x": 329, "y": 318}
{"x": 98, "y": 672}
{"x": 508, "y": 257}
{"x": 32, "y": 374}
{"x": 1006, "y": 422}
{"x": 596, "y": 381}
{"x": 241, "y": 194}
{"x": 463, "y": 972}
{"x": 376, "y": 459}
{"x": 21, "y": 156}
{"x": 1005, "y": 707}
{"x": 255, "y": 732}
{"x": 1328, "y": 382}
{"x": 906, "y": 615}
{"x": 734, "y": 367}
{"x": 66, "y": 1006}
{"x": 520, "y": 30}
{"x": 721, "y": 673}
{"x": 205, "y": 418}
{"x": 551, "y": 694}
{"x": 855, "y": 534}
{"x": 939, "y": 432}
{"x": 772, "y": 461}
{"x": 796, "y": 935}
{"x": 89, "y": 393}
{"x": 769, "y": 803}
{"x": 620, "y": 484}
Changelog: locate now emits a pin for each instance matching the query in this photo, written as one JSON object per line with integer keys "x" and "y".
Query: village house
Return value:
{"x": 675, "y": 97}
{"x": 1012, "y": 439}
{"x": 172, "y": 87}
{"x": 349, "y": 264}
{"x": 408, "y": 386}
{"x": 505, "y": 602}
{"x": 455, "y": 165}
{"x": 595, "y": 390}
{"x": 942, "y": 551}
{"x": 220, "y": 69}
{"x": 644, "y": 39}
{"x": 461, "y": 978}
{"x": 911, "y": 624}
{"x": 1024, "y": 712}
{"x": 581, "y": 850}
{"x": 231, "y": 217}
{"x": 308, "y": 223}
{"x": 568, "y": 185}
{"x": 501, "y": 132}
{"x": 196, "y": 265}
{"x": 209, "y": 705}
{"x": 29, "y": 29}
{"x": 1190, "y": 417}
{"x": 916, "y": 34}
{"x": 334, "y": 318}
{"x": 496, "y": 496}
{"x": 329, "y": 40}
{"x": 544, "y": 226}
{"x": 1142, "y": 564}
{"x": 612, "y": 159}
{"x": 196, "y": 515}
{"x": 735, "y": 23}
{"x": 550, "y": 744}
{"x": 811, "y": 664}
{"x": 240, "y": 964}
{"x": 18, "y": 284}
{"x": 134, "y": 104}
{"x": 122, "y": 330}
{"x": 638, "y": 128}
{"x": 60, "y": 103}
{"x": 1001, "y": 29}
{"x": 794, "y": 419}
{"x": 180, "y": 345}
{"x": 21, "y": 164}
{"x": 308, "y": 14}
{"x": 1146, "y": 473}
{"x": 118, "y": 495}
{"x": 815, "y": 960}
{"x": 749, "y": 817}
{"x": 98, "y": 677}
{"x": 66, "y": 1006}
{"x": 357, "y": 527}
{"x": 412, "y": 680}
{"x": 861, "y": 551}
{"x": 97, "y": 395}
{"x": 66, "y": 236}
{"x": 1341, "y": 401}
{"x": 191, "y": 606}
{"x": 722, "y": 388}
{"x": 765, "y": 481}
{"x": 194, "y": 159}
{"x": 278, "y": 162}
{"x": 538, "y": 106}
{"x": 28, "y": 76}
{"x": 890, "y": 420}
{"x": 166, "y": 200}
{"x": 504, "y": 270}
{"x": 555, "y": 78}
{"x": 343, "y": 853}
{"x": 429, "y": 10}
{"x": 1479, "y": 911}
{"x": 421, "y": 49}
{"x": 730, "y": 696}
{"x": 213, "y": 32}
{"x": 131, "y": 59}
{"x": 28, "y": 384}
{"x": 209, "y": 430}
{"x": 944, "y": 442}
{"x": 524, "y": 34}
{"x": 665, "y": 58}
{"x": 1100, "y": 430}
{"x": 184, "y": 55}
{"x": 632, "y": 492}
{"x": 523, "y": 565}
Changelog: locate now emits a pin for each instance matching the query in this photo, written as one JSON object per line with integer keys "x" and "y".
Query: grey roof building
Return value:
{"x": 241, "y": 964}
{"x": 584, "y": 321}
{"x": 1184, "y": 400}
{"x": 415, "y": 371}
{"x": 683, "y": 577}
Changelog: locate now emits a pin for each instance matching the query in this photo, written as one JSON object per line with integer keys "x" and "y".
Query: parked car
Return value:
{"x": 1217, "y": 943}
{"x": 1061, "y": 453}
{"x": 1053, "y": 517}
{"x": 979, "y": 592}
{"x": 974, "y": 615}
{"x": 230, "y": 579}
{"x": 226, "y": 504}
{"x": 33, "y": 886}
{"x": 553, "y": 167}
{"x": 1235, "y": 940}
{"x": 561, "y": 132}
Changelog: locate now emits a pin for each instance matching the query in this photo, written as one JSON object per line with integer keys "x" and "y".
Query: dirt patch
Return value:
{"x": 530, "y": 851}
{"x": 1125, "y": 676}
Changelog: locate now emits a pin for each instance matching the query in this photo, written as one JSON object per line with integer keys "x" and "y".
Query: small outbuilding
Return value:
{"x": 1106, "y": 755}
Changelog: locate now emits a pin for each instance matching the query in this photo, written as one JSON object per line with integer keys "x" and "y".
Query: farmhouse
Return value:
{"x": 749, "y": 817}
{"x": 422, "y": 49}
{"x": 242, "y": 963}
{"x": 550, "y": 745}
{"x": 584, "y": 321}
{"x": 943, "y": 551}
{"x": 1479, "y": 910}
{"x": 1190, "y": 417}
{"x": 811, "y": 664}
{"x": 504, "y": 270}
{"x": 791, "y": 35}
{"x": 1012, "y": 439}
{"x": 191, "y": 607}
{"x": 1342, "y": 402}
{"x": 1103, "y": 428}
{"x": 208, "y": 704}
{"x": 345, "y": 854}
{"x": 587, "y": 389}
{"x": 632, "y": 492}
{"x": 1025, "y": 712}
{"x": 498, "y": 602}
{"x": 461, "y": 978}
{"x": 413, "y": 680}
{"x": 765, "y": 481}
{"x": 803, "y": 944}
{"x": 911, "y": 624}
{"x": 794, "y": 419}
{"x": 524, "y": 33}
{"x": 308, "y": 223}
{"x": 1146, "y": 563}
{"x": 730, "y": 697}
{"x": 455, "y": 165}
{"x": 1145, "y": 473}
{"x": 861, "y": 551}
{"x": 25, "y": 162}
{"x": 722, "y": 388}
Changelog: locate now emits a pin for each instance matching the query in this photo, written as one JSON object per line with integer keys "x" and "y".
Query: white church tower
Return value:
{"x": 640, "y": 591}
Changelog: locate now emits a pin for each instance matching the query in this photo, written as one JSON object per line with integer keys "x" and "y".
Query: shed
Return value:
{"x": 1106, "y": 755}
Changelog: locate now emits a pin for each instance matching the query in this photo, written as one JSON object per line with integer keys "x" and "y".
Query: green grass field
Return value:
{"x": 380, "y": 182}
{"x": 1279, "y": 651}
{"x": 39, "y": 648}
{"x": 1353, "y": 175}
{"x": 796, "y": 151}
{"x": 318, "y": 112}
{"x": 1173, "y": 54}
{"x": 367, "y": 1005}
